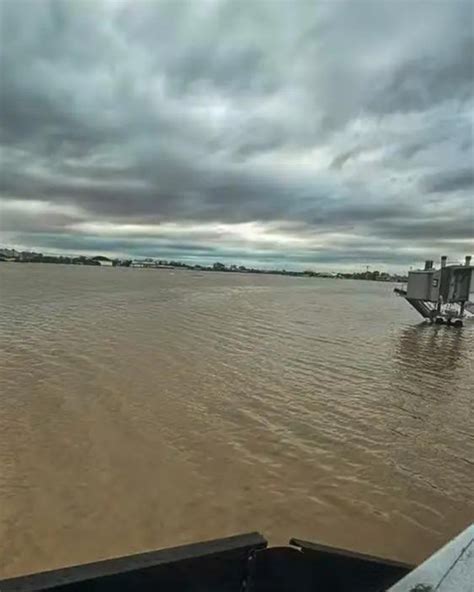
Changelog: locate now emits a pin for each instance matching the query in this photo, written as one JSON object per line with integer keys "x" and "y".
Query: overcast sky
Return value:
{"x": 294, "y": 134}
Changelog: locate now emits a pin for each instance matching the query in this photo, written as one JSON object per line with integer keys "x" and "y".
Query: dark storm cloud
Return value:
{"x": 455, "y": 180}
{"x": 423, "y": 82}
{"x": 322, "y": 126}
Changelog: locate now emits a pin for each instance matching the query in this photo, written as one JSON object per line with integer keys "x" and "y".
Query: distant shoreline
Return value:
{"x": 101, "y": 261}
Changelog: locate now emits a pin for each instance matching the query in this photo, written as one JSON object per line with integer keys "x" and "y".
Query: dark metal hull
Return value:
{"x": 235, "y": 564}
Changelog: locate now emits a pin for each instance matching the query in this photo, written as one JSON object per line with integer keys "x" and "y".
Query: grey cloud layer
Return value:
{"x": 347, "y": 118}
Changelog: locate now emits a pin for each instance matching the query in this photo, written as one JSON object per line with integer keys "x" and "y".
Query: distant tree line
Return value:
{"x": 33, "y": 257}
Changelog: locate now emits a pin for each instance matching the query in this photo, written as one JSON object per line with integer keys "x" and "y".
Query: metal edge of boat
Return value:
{"x": 245, "y": 563}
{"x": 239, "y": 563}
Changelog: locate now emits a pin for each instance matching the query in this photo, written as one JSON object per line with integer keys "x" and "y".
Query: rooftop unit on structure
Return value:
{"x": 444, "y": 295}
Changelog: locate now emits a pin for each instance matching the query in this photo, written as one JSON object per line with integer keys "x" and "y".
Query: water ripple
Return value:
{"x": 142, "y": 409}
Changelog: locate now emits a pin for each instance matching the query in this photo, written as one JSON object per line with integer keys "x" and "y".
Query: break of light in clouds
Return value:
{"x": 301, "y": 134}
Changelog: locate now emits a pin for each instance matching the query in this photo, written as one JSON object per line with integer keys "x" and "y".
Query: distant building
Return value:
{"x": 9, "y": 254}
{"x": 104, "y": 261}
{"x": 150, "y": 264}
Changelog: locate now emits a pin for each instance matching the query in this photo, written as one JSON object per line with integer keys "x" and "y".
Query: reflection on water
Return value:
{"x": 438, "y": 348}
{"x": 432, "y": 405}
{"x": 142, "y": 409}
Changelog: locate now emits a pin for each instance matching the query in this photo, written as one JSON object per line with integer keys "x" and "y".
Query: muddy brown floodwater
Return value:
{"x": 141, "y": 409}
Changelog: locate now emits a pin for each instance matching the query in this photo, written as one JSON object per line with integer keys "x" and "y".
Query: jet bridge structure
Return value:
{"x": 444, "y": 295}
